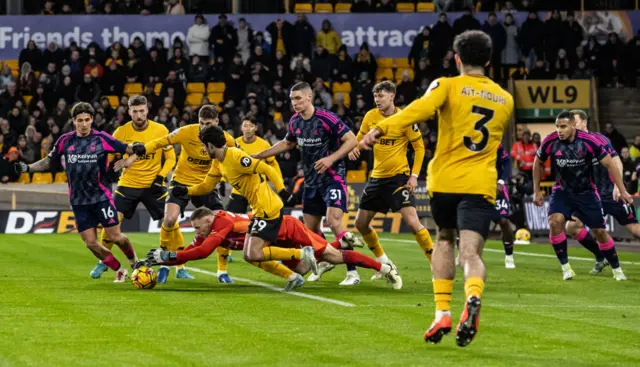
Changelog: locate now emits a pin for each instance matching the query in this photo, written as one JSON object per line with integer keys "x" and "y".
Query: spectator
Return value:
{"x": 629, "y": 174}
{"x": 328, "y": 38}
{"x": 174, "y": 88}
{"x": 198, "y": 38}
{"x": 634, "y": 151}
{"x": 178, "y": 63}
{"x": 26, "y": 153}
{"x": 52, "y": 75}
{"x": 304, "y": 36}
{"x": 361, "y": 6}
{"x": 611, "y": 59}
{"x": 8, "y": 172}
{"x": 157, "y": 68}
{"x": 420, "y": 46}
{"x": 88, "y": 91}
{"x": 563, "y": 66}
{"x": 524, "y": 152}
{"x": 27, "y": 79}
{"x": 363, "y": 87}
{"x": 423, "y": 71}
{"x": 48, "y": 8}
{"x": 76, "y": 66}
{"x": 573, "y": 34}
{"x": 9, "y": 135}
{"x": 536, "y": 139}
{"x": 197, "y": 71}
{"x": 581, "y": 71}
{"x": 258, "y": 57}
{"x": 385, "y": 6}
{"x": 41, "y": 95}
{"x": 174, "y": 7}
{"x": 224, "y": 39}
{"x": 158, "y": 46}
{"x": 321, "y": 97}
{"x": 406, "y": 91}
{"x": 127, "y": 7}
{"x": 541, "y": 71}
{"x": 134, "y": 68}
{"x": 260, "y": 41}
{"x": 365, "y": 61}
{"x": 466, "y": 22}
{"x": 511, "y": 52}
{"x": 16, "y": 123}
{"x": 553, "y": 41}
{"x": 509, "y": 8}
{"x": 617, "y": 140}
{"x": 591, "y": 52}
{"x": 441, "y": 39}
{"x": 94, "y": 69}
{"x": 6, "y": 78}
{"x": 245, "y": 39}
{"x": 498, "y": 35}
{"x": 107, "y": 9}
{"x": 9, "y": 98}
{"x": 530, "y": 41}
{"x": 282, "y": 37}
{"x": 53, "y": 54}
{"x": 443, "y": 6}
{"x": 321, "y": 64}
{"x": 151, "y": 7}
{"x": 342, "y": 69}
{"x": 67, "y": 89}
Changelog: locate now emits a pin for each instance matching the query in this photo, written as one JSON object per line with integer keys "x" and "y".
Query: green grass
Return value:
{"x": 52, "y": 313}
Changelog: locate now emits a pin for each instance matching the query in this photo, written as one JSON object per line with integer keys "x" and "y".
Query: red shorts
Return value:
{"x": 294, "y": 234}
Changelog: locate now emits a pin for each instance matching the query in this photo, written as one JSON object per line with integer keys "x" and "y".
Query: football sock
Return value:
{"x": 223, "y": 259}
{"x": 424, "y": 240}
{"x": 587, "y": 241}
{"x": 111, "y": 262}
{"x": 177, "y": 241}
{"x": 128, "y": 252}
{"x": 350, "y": 267}
{"x": 335, "y": 244}
{"x": 559, "y": 243}
{"x": 274, "y": 268}
{"x": 279, "y": 253}
{"x": 508, "y": 248}
{"x": 373, "y": 242}
{"x": 104, "y": 239}
{"x": 474, "y": 287}
{"x": 442, "y": 289}
{"x": 361, "y": 260}
{"x": 166, "y": 236}
{"x": 609, "y": 251}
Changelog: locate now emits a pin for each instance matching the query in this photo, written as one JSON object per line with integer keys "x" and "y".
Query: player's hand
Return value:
{"x": 627, "y": 197}
{"x": 138, "y": 149}
{"x": 286, "y": 197}
{"x": 323, "y": 164}
{"x": 368, "y": 141}
{"x": 125, "y": 163}
{"x": 616, "y": 193}
{"x": 354, "y": 154}
{"x": 180, "y": 191}
{"x": 21, "y": 167}
{"x": 158, "y": 183}
{"x": 538, "y": 198}
{"x": 256, "y": 156}
{"x": 412, "y": 184}
{"x": 222, "y": 190}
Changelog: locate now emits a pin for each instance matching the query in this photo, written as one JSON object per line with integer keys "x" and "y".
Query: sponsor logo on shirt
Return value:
{"x": 82, "y": 158}
{"x": 309, "y": 142}
{"x": 570, "y": 162}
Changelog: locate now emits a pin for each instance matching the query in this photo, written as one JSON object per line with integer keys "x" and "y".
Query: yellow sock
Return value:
{"x": 424, "y": 240}
{"x": 223, "y": 258}
{"x": 474, "y": 287}
{"x": 279, "y": 253}
{"x": 177, "y": 241}
{"x": 166, "y": 237}
{"x": 373, "y": 243}
{"x": 274, "y": 268}
{"x": 104, "y": 239}
{"x": 442, "y": 289}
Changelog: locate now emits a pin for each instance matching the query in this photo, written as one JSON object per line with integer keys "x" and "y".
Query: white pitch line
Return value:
{"x": 278, "y": 289}
{"x": 533, "y": 254}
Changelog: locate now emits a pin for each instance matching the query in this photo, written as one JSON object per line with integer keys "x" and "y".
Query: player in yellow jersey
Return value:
{"x": 143, "y": 181}
{"x": 193, "y": 165}
{"x": 393, "y": 183}
{"x": 252, "y": 144}
{"x": 249, "y": 176}
{"x": 462, "y": 177}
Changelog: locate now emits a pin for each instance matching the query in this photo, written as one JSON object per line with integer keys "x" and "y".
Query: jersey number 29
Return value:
{"x": 487, "y": 115}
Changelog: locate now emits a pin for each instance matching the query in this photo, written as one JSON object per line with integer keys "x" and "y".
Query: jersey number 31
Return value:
{"x": 487, "y": 115}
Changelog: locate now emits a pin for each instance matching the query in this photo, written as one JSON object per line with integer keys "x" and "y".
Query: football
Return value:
{"x": 522, "y": 237}
{"x": 144, "y": 278}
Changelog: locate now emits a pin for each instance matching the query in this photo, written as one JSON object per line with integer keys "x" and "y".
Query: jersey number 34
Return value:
{"x": 487, "y": 115}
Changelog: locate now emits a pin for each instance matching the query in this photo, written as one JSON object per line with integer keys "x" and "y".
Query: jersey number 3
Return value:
{"x": 487, "y": 115}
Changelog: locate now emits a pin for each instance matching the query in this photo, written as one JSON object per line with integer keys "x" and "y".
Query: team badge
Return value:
{"x": 245, "y": 161}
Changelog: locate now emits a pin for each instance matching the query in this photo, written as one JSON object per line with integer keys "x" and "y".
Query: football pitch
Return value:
{"x": 52, "y": 313}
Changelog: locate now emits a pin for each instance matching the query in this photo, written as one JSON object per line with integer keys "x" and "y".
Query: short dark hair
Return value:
{"x": 137, "y": 101}
{"x": 473, "y": 48}
{"x": 300, "y": 86}
{"x": 251, "y": 119}
{"x": 208, "y": 112}
{"x": 565, "y": 115}
{"x": 384, "y": 86}
{"x": 583, "y": 115}
{"x": 200, "y": 213}
{"x": 213, "y": 134}
{"x": 82, "y": 107}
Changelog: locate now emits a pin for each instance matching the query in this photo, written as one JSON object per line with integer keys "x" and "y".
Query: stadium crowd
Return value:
{"x": 257, "y": 75}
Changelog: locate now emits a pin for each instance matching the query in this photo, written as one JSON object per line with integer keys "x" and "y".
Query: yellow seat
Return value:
{"x": 61, "y": 177}
{"x": 216, "y": 98}
{"x": 384, "y": 73}
{"x": 324, "y": 8}
{"x": 347, "y": 98}
{"x": 194, "y": 99}
{"x": 42, "y": 178}
{"x": 343, "y": 8}
{"x": 195, "y": 88}
{"x": 24, "y": 178}
{"x": 303, "y": 8}
{"x": 15, "y": 73}
{"x": 157, "y": 88}
{"x": 114, "y": 101}
{"x": 27, "y": 99}
{"x": 426, "y": 7}
{"x": 133, "y": 89}
{"x": 385, "y": 62}
{"x": 341, "y": 87}
{"x": 405, "y": 8}
{"x": 399, "y": 73}
{"x": 216, "y": 87}
{"x": 402, "y": 63}
{"x": 356, "y": 176}
{"x": 13, "y": 64}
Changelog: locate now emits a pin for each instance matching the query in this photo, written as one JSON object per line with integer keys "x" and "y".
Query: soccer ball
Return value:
{"x": 523, "y": 237}
{"x": 144, "y": 278}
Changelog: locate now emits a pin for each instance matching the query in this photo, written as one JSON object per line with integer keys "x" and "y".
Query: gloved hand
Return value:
{"x": 180, "y": 191}
{"x": 139, "y": 149}
{"x": 21, "y": 167}
{"x": 222, "y": 189}
{"x": 286, "y": 197}
{"x": 159, "y": 256}
{"x": 158, "y": 183}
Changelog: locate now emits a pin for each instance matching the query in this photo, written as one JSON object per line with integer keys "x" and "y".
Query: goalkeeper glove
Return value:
{"x": 159, "y": 256}
{"x": 21, "y": 167}
{"x": 138, "y": 149}
{"x": 158, "y": 182}
{"x": 286, "y": 197}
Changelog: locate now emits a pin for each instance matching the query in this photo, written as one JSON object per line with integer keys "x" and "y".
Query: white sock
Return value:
{"x": 566, "y": 266}
{"x": 354, "y": 273}
{"x": 383, "y": 259}
{"x": 220, "y": 272}
{"x": 439, "y": 314}
{"x": 385, "y": 269}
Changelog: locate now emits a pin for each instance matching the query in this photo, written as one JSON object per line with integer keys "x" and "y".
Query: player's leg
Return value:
{"x": 212, "y": 201}
{"x": 560, "y": 208}
{"x": 507, "y": 242}
{"x": 314, "y": 209}
{"x": 90, "y": 238}
{"x": 374, "y": 200}
{"x": 169, "y": 225}
{"x": 335, "y": 201}
{"x": 107, "y": 216}
{"x": 575, "y": 228}
{"x": 423, "y": 237}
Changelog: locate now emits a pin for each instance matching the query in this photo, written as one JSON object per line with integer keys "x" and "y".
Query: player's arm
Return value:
{"x": 349, "y": 142}
{"x": 616, "y": 175}
{"x": 364, "y": 129}
{"x": 210, "y": 181}
{"x": 273, "y": 163}
{"x": 419, "y": 110}
{"x": 272, "y": 175}
{"x": 280, "y": 147}
{"x": 504, "y": 169}
{"x": 418, "y": 157}
{"x": 169, "y": 161}
{"x": 42, "y": 165}
{"x": 202, "y": 251}
{"x": 538, "y": 168}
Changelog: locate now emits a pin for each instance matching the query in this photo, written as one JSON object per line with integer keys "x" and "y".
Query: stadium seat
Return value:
{"x": 194, "y": 99}
{"x": 356, "y": 176}
{"x": 303, "y": 8}
{"x": 195, "y": 88}
{"x": 402, "y": 63}
{"x": 216, "y": 98}
{"x": 215, "y": 87}
{"x": 399, "y": 73}
{"x": 24, "y": 178}
{"x": 343, "y": 8}
{"x": 324, "y": 8}
{"x": 40, "y": 178}
{"x": 13, "y": 64}
{"x": 157, "y": 88}
{"x": 426, "y": 7}
{"x": 385, "y": 62}
{"x": 347, "y": 98}
{"x": 405, "y": 8}
{"x": 132, "y": 89}
{"x": 27, "y": 99}
{"x": 61, "y": 177}
{"x": 384, "y": 73}
{"x": 341, "y": 87}
{"x": 114, "y": 101}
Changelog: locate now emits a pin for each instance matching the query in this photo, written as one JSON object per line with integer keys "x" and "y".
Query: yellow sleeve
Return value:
{"x": 364, "y": 128}
{"x": 169, "y": 161}
{"x": 415, "y": 137}
{"x": 231, "y": 142}
{"x": 210, "y": 181}
{"x": 272, "y": 175}
{"x": 273, "y": 162}
{"x": 175, "y": 137}
{"x": 419, "y": 110}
